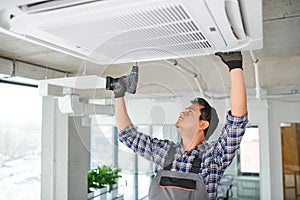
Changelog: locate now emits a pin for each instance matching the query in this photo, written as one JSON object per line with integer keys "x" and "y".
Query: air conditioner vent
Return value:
{"x": 138, "y": 30}
{"x": 169, "y": 28}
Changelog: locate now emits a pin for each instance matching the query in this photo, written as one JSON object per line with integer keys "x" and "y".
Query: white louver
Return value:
{"x": 118, "y": 31}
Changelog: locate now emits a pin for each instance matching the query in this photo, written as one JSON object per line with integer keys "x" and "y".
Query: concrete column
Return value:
{"x": 78, "y": 159}
{"x": 116, "y": 147}
{"x": 48, "y": 155}
{"x": 65, "y": 148}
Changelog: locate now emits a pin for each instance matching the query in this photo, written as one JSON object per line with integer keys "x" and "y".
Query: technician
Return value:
{"x": 192, "y": 168}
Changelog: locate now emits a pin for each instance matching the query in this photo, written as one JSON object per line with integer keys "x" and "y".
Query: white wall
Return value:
{"x": 279, "y": 112}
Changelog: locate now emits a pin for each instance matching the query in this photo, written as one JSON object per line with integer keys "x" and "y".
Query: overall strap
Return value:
{"x": 196, "y": 165}
{"x": 170, "y": 157}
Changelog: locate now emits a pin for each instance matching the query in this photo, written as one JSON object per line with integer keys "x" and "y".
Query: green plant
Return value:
{"x": 101, "y": 176}
{"x": 93, "y": 180}
{"x": 112, "y": 177}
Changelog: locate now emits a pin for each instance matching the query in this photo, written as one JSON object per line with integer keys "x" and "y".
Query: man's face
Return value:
{"x": 190, "y": 117}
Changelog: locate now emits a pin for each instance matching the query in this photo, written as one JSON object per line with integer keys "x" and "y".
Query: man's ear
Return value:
{"x": 203, "y": 124}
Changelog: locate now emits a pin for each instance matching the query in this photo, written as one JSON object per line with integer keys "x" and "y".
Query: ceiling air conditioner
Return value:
{"x": 117, "y": 31}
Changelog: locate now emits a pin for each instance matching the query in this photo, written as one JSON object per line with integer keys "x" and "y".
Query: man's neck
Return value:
{"x": 189, "y": 142}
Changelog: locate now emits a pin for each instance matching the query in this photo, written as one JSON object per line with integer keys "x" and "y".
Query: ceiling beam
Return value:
{"x": 15, "y": 67}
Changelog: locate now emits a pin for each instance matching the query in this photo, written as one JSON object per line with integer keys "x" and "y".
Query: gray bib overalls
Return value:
{"x": 173, "y": 185}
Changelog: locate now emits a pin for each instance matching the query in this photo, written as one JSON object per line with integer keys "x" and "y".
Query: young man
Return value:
{"x": 192, "y": 168}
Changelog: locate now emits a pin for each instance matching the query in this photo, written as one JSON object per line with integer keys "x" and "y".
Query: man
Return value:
{"x": 192, "y": 168}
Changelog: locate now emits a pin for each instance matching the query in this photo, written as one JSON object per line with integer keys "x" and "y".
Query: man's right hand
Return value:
{"x": 120, "y": 88}
{"x": 231, "y": 59}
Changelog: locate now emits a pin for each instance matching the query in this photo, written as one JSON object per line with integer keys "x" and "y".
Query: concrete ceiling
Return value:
{"x": 279, "y": 60}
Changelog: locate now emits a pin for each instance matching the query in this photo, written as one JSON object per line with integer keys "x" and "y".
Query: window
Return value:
{"x": 20, "y": 142}
{"x": 102, "y": 145}
{"x": 144, "y": 167}
{"x": 248, "y": 156}
{"x": 166, "y": 132}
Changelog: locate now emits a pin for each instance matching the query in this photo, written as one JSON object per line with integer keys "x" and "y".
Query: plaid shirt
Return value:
{"x": 217, "y": 155}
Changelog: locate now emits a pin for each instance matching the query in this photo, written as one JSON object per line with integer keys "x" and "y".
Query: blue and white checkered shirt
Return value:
{"x": 216, "y": 158}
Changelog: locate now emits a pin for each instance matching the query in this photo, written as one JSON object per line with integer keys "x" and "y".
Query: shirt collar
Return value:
{"x": 200, "y": 147}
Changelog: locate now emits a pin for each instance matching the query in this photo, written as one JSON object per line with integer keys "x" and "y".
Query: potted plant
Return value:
{"x": 96, "y": 183}
{"x": 98, "y": 179}
{"x": 91, "y": 183}
{"x": 112, "y": 181}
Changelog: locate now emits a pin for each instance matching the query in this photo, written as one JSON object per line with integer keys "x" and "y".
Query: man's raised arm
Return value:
{"x": 238, "y": 100}
{"x": 121, "y": 115}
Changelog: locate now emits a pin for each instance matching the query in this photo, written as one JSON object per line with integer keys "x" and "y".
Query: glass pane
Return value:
{"x": 20, "y": 142}
{"x": 145, "y": 168}
{"x": 249, "y": 151}
{"x": 127, "y": 163}
{"x": 157, "y": 131}
{"x": 248, "y": 181}
{"x": 101, "y": 146}
{"x": 170, "y": 132}
{"x": 167, "y": 131}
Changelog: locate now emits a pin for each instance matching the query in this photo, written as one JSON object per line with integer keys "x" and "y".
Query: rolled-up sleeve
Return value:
{"x": 230, "y": 138}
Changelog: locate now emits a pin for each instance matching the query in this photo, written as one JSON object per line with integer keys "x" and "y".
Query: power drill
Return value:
{"x": 130, "y": 81}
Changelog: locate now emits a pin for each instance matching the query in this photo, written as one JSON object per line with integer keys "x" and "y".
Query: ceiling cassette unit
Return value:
{"x": 117, "y": 31}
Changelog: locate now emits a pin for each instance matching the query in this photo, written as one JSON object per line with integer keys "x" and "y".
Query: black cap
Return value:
{"x": 208, "y": 113}
{"x": 213, "y": 123}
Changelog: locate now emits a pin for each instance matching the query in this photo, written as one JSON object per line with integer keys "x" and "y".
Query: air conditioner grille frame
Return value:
{"x": 114, "y": 32}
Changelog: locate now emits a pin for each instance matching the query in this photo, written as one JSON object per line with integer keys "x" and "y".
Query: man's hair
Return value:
{"x": 209, "y": 114}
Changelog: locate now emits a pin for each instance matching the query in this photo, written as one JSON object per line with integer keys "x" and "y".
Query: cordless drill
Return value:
{"x": 130, "y": 81}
